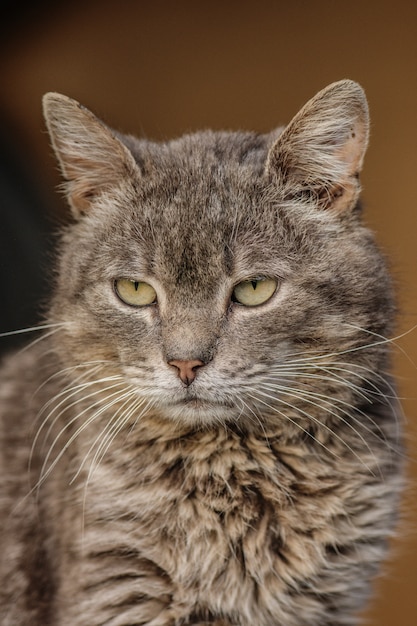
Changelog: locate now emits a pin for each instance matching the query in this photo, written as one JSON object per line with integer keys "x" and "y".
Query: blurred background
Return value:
{"x": 159, "y": 69}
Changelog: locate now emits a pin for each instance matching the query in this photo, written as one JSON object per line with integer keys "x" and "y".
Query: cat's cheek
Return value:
{"x": 129, "y": 326}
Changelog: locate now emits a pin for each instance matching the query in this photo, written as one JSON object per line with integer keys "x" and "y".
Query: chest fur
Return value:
{"x": 215, "y": 522}
{"x": 214, "y": 509}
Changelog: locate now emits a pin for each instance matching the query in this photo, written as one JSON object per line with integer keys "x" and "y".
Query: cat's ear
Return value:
{"x": 320, "y": 153}
{"x": 92, "y": 159}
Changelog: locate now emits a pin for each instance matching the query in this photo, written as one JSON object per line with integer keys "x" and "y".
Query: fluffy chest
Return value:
{"x": 217, "y": 523}
{"x": 214, "y": 511}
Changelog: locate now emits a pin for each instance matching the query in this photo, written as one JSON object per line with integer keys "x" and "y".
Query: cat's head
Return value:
{"x": 222, "y": 275}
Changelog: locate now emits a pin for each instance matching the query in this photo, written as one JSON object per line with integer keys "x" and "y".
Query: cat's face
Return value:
{"x": 211, "y": 276}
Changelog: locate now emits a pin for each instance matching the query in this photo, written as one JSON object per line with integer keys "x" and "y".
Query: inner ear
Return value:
{"x": 92, "y": 159}
{"x": 319, "y": 155}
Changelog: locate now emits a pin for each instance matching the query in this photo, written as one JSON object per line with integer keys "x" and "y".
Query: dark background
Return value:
{"x": 163, "y": 68}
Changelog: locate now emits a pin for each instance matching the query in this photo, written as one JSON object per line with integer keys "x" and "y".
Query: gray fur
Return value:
{"x": 264, "y": 492}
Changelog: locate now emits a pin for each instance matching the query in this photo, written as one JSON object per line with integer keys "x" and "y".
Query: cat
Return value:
{"x": 207, "y": 432}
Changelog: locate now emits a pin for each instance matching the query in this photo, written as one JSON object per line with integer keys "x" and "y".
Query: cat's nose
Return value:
{"x": 187, "y": 370}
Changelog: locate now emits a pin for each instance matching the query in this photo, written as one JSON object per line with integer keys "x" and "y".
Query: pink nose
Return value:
{"x": 187, "y": 370}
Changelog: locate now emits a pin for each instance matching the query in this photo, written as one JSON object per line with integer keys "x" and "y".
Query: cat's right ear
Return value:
{"x": 92, "y": 159}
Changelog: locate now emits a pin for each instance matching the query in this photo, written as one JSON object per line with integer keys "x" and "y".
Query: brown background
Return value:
{"x": 162, "y": 68}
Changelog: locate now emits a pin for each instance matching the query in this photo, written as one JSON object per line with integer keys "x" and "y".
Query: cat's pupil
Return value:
{"x": 254, "y": 284}
{"x": 136, "y": 284}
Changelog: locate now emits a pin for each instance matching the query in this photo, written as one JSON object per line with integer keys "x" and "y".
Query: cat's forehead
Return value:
{"x": 202, "y": 150}
{"x": 205, "y": 181}
{"x": 198, "y": 236}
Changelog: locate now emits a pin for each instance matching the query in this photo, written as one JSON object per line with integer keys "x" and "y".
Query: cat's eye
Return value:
{"x": 255, "y": 291}
{"x": 134, "y": 292}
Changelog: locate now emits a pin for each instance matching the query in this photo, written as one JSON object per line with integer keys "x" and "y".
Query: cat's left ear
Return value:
{"x": 320, "y": 153}
{"x": 92, "y": 159}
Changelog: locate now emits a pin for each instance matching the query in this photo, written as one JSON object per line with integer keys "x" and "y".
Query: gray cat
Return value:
{"x": 207, "y": 432}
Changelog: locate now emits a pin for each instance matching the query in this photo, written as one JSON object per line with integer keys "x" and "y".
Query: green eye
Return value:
{"x": 134, "y": 293}
{"x": 254, "y": 292}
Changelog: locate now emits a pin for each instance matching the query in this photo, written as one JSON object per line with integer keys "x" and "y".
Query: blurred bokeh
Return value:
{"x": 161, "y": 68}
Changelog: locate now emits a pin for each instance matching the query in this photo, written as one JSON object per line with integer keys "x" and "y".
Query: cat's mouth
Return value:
{"x": 194, "y": 402}
{"x": 200, "y": 409}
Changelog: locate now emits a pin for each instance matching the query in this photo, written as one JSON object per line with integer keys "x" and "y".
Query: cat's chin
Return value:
{"x": 198, "y": 412}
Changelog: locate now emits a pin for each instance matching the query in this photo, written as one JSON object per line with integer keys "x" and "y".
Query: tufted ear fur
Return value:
{"x": 320, "y": 153}
{"x": 92, "y": 159}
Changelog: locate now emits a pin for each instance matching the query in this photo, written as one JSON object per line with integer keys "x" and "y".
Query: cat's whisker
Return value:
{"x": 312, "y": 358}
{"x": 72, "y": 390}
{"x": 44, "y": 473}
{"x": 303, "y": 392}
{"x": 391, "y": 400}
{"x": 149, "y": 405}
{"x": 125, "y": 398}
{"x": 44, "y": 410}
{"x": 369, "y": 394}
{"x": 32, "y": 329}
{"x": 315, "y": 376}
{"x": 87, "y": 366}
{"x": 66, "y": 395}
{"x": 329, "y": 407}
{"x": 348, "y": 408}
{"x": 43, "y": 337}
{"x": 75, "y": 384}
{"x": 243, "y": 406}
{"x": 361, "y": 347}
{"x": 309, "y": 365}
{"x": 107, "y": 436}
{"x": 286, "y": 417}
{"x": 56, "y": 407}
{"x": 372, "y": 389}
{"x": 392, "y": 340}
{"x": 320, "y": 424}
{"x": 117, "y": 424}
{"x": 257, "y": 420}
{"x": 353, "y": 369}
